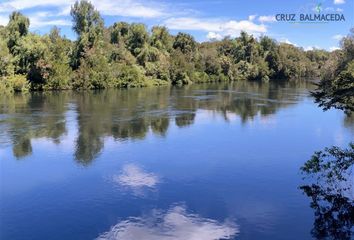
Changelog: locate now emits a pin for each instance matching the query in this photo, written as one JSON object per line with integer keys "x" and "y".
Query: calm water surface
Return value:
{"x": 200, "y": 162}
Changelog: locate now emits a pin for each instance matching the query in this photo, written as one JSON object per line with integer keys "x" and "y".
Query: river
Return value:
{"x": 213, "y": 161}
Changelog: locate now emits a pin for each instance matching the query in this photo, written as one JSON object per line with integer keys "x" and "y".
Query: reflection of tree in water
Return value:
{"x": 22, "y": 147}
{"x": 33, "y": 116}
{"x": 122, "y": 114}
{"x": 131, "y": 114}
{"x": 248, "y": 99}
{"x": 160, "y": 125}
{"x": 349, "y": 122}
{"x": 184, "y": 119}
{"x": 331, "y": 192}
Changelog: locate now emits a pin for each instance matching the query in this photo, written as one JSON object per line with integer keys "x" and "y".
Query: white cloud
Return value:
{"x": 213, "y": 36}
{"x": 37, "y": 23}
{"x": 267, "y": 18}
{"x": 338, "y": 37}
{"x": 11, "y": 5}
{"x": 252, "y": 17}
{"x": 339, "y": 1}
{"x": 333, "y": 48}
{"x": 128, "y": 8}
{"x": 223, "y": 28}
{"x": 38, "y": 19}
{"x": 193, "y": 24}
{"x": 174, "y": 224}
{"x": 216, "y": 28}
{"x": 135, "y": 177}
{"x": 327, "y": 9}
{"x": 330, "y": 9}
{"x": 285, "y": 40}
{"x": 41, "y": 19}
{"x": 309, "y": 48}
{"x": 61, "y": 8}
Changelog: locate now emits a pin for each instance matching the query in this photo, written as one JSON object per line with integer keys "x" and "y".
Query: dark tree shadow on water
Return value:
{"x": 331, "y": 192}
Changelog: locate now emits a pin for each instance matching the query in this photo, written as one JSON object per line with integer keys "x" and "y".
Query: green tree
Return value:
{"x": 160, "y": 38}
{"x": 90, "y": 58}
{"x": 181, "y": 69}
{"x": 94, "y": 71}
{"x": 185, "y": 43}
{"x": 86, "y": 20}
{"x": 31, "y": 59}
{"x": 137, "y": 38}
{"x": 119, "y": 32}
{"x": 271, "y": 56}
{"x": 336, "y": 88}
{"x": 6, "y": 59}
{"x": 339, "y": 92}
{"x": 17, "y": 27}
{"x": 88, "y": 24}
{"x": 60, "y": 73}
{"x": 246, "y": 48}
{"x": 148, "y": 54}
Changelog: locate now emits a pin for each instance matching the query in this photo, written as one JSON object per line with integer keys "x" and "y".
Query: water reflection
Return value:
{"x": 131, "y": 114}
{"x": 135, "y": 177}
{"x": 225, "y": 150}
{"x": 27, "y": 117}
{"x": 175, "y": 224}
{"x": 349, "y": 122}
{"x": 331, "y": 192}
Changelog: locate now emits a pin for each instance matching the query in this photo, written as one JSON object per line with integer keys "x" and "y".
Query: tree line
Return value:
{"x": 130, "y": 55}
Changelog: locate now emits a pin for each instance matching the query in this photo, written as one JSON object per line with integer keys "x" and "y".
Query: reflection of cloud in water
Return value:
{"x": 339, "y": 138}
{"x": 267, "y": 121}
{"x": 173, "y": 225}
{"x": 135, "y": 177}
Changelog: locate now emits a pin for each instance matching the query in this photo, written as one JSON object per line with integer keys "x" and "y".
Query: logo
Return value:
{"x": 319, "y": 16}
{"x": 319, "y": 7}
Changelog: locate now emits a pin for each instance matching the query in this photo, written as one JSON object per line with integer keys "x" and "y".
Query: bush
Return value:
{"x": 5, "y": 86}
{"x": 19, "y": 83}
{"x": 14, "y": 83}
{"x": 181, "y": 78}
{"x": 94, "y": 71}
{"x": 131, "y": 76}
{"x": 199, "y": 77}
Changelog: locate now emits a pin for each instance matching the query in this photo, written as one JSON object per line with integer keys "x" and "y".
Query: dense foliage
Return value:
{"x": 332, "y": 164}
{"x": 331, "y": 170}
{"x": 331, "y": 192}
{"x": 129, "y": 55}
{"x": 336, "y": 88}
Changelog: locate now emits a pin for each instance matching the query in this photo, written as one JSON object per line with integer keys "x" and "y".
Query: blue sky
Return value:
{"x": 204, "y": 19}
